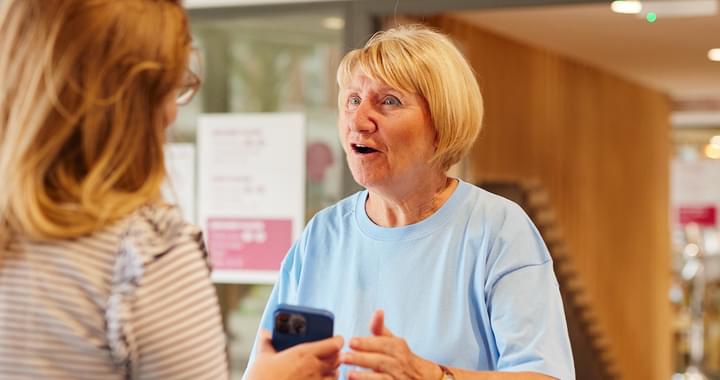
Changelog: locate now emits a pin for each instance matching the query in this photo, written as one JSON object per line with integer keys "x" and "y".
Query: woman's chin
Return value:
{"x": 368, "y": 180}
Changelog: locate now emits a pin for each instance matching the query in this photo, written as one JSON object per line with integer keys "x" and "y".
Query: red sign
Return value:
{"x": 703, "y": 215}
{"x": 255, "y": 244}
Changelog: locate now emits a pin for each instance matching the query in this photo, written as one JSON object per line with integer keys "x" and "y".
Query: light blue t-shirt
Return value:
{"x": 471, "y": 286}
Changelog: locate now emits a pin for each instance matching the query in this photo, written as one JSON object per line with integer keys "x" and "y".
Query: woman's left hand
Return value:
{"x": 387, "y": 356}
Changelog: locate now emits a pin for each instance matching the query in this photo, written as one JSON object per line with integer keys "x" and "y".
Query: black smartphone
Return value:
{"x": 293, "y": 325}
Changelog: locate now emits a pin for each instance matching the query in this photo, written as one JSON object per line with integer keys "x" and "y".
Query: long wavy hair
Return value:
{"x": 82, "y": 95}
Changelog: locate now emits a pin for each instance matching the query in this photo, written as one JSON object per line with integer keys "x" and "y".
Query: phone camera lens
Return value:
{"x": 289, "y": 323}
{"x": 282, "y": 321}
{"x": 298, "y": 324}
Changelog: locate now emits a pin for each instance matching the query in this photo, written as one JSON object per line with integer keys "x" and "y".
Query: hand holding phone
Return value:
{"x": 294, "y": 325}
{"x": 311, "y": 361}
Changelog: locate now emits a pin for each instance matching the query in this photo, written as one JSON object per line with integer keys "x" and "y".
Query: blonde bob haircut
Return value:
{"x": 82, "y": 120}
{"x": 417, "y": 59}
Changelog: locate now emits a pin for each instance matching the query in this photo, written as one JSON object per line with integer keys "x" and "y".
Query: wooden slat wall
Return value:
{"x": 600, "y": 145}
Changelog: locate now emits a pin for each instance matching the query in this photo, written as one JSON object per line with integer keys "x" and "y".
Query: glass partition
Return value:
{"x": 273, "y": 62}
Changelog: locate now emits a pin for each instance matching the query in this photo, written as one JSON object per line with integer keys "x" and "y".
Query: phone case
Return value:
{"x": 293, "y": 325}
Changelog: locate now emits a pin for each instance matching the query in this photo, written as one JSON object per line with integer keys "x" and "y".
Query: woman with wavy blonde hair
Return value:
{"x": 73, "y": 72}
{"x": 99, "y": 279}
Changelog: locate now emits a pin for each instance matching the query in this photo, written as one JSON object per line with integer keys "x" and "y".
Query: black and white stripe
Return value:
{"x": 133, "y": 301}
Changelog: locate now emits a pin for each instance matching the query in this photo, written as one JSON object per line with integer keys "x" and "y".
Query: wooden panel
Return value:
{"x": 600, "y": 145}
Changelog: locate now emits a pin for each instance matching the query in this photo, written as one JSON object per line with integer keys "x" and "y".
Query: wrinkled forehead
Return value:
{"x": 360, "y": 81}
{"x": 362, "y": 68}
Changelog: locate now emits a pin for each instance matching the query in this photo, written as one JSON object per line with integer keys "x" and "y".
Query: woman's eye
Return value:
{"x": 391, "y": 101}
{"x": 353, "y": 101}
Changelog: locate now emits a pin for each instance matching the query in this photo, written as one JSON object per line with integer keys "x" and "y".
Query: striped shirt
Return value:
{"x": 133, "y": 301}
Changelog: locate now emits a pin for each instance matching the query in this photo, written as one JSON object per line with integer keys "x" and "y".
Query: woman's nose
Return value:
{"x": 363, "y": 119}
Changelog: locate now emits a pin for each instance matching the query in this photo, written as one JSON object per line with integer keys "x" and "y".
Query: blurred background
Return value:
{"x": 602, "y": 121}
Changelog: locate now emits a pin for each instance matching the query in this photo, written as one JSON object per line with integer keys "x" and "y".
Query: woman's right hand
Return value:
{"x": 309, "y": 361}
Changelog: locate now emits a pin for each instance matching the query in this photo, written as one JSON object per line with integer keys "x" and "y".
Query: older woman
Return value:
{"x": 455, "y": 282}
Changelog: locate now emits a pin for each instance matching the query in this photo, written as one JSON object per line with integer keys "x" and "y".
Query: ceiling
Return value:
{"x": 669, "y": 55}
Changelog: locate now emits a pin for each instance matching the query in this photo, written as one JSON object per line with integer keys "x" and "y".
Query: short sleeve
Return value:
{"x": 172, "y": 315}
{"x": 524, "y": 303}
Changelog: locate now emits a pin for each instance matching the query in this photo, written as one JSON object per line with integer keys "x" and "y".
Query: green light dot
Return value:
{"x": 651, "y": 17}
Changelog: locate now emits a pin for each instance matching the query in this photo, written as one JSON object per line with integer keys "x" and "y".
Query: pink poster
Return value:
{"x": 705, "y": 216}
{"x": 258, "y": 244}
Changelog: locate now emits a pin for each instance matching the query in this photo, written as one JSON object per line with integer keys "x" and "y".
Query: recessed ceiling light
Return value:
{"x": 715, "y": 140}
{"x": 626, "y": 6}
{"x": 711, "y": 151}
{"x": 334, "y": 23}
{"x": 714, "y": 54}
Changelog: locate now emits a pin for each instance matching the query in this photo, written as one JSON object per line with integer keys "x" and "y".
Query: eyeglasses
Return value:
{"x": 189, "y": 87}
{"x": 191, "y": 80}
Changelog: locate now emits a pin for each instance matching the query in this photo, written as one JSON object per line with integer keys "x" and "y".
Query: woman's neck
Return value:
{"x": 402, "y": 208}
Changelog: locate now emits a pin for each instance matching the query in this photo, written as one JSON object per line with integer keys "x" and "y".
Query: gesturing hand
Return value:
{"x": 387, "y": 356}
{"x": 309, "y": 361}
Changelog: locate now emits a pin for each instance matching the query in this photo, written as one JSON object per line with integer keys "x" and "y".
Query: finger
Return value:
{"x": 377, "y": 324}
{"x": 322, "y": 348}
{"x": 357, "y": 375}
{"x": 325, "y": 367}
{"x": 264, "y": 343}
{"x": 331, "y": 375}
{"x": 374, "y": 361}
{"x": 334, "y": 372}
{"x": 379, "y": 344}
{"x": 333, "y": 361}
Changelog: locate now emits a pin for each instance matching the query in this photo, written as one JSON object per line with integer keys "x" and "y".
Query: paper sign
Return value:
{"x": 695, "y": 192}
{"x": 251, "y": 192}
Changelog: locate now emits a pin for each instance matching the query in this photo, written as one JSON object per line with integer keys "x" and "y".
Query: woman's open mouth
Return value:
{"x": 362, "y": 149}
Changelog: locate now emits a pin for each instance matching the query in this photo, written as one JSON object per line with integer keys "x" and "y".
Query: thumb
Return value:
{"x": 377, "y": 324}
{"x": 322, "y": 348}
{"x": 264, "y": 344}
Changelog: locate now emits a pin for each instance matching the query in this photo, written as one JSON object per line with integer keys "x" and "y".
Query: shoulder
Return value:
{"x": 490, "y": 215}
{"x": 161, "y": 273}
{"x": 509, "y": 236}
{"x": 341, "y": 209}
{"x": 155, "y": 231}
{"x": 496, "y": 212}
{"x": 337, "y": 216}
{"x": 161, "y": 222}
{"x": 158, "y": 247}
{"x": 325, "y": 229}
{"x": 499, "y": 223}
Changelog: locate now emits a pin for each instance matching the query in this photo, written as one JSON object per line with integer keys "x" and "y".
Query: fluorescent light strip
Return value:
{"x": 680, "y": 8}
{"x": 714, "y": 54}
{"x": 626, "y": 6}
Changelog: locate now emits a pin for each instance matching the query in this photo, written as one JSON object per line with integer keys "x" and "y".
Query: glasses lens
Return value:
{"x": 184, "y": 95}
{"x": 190, "y": 85}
